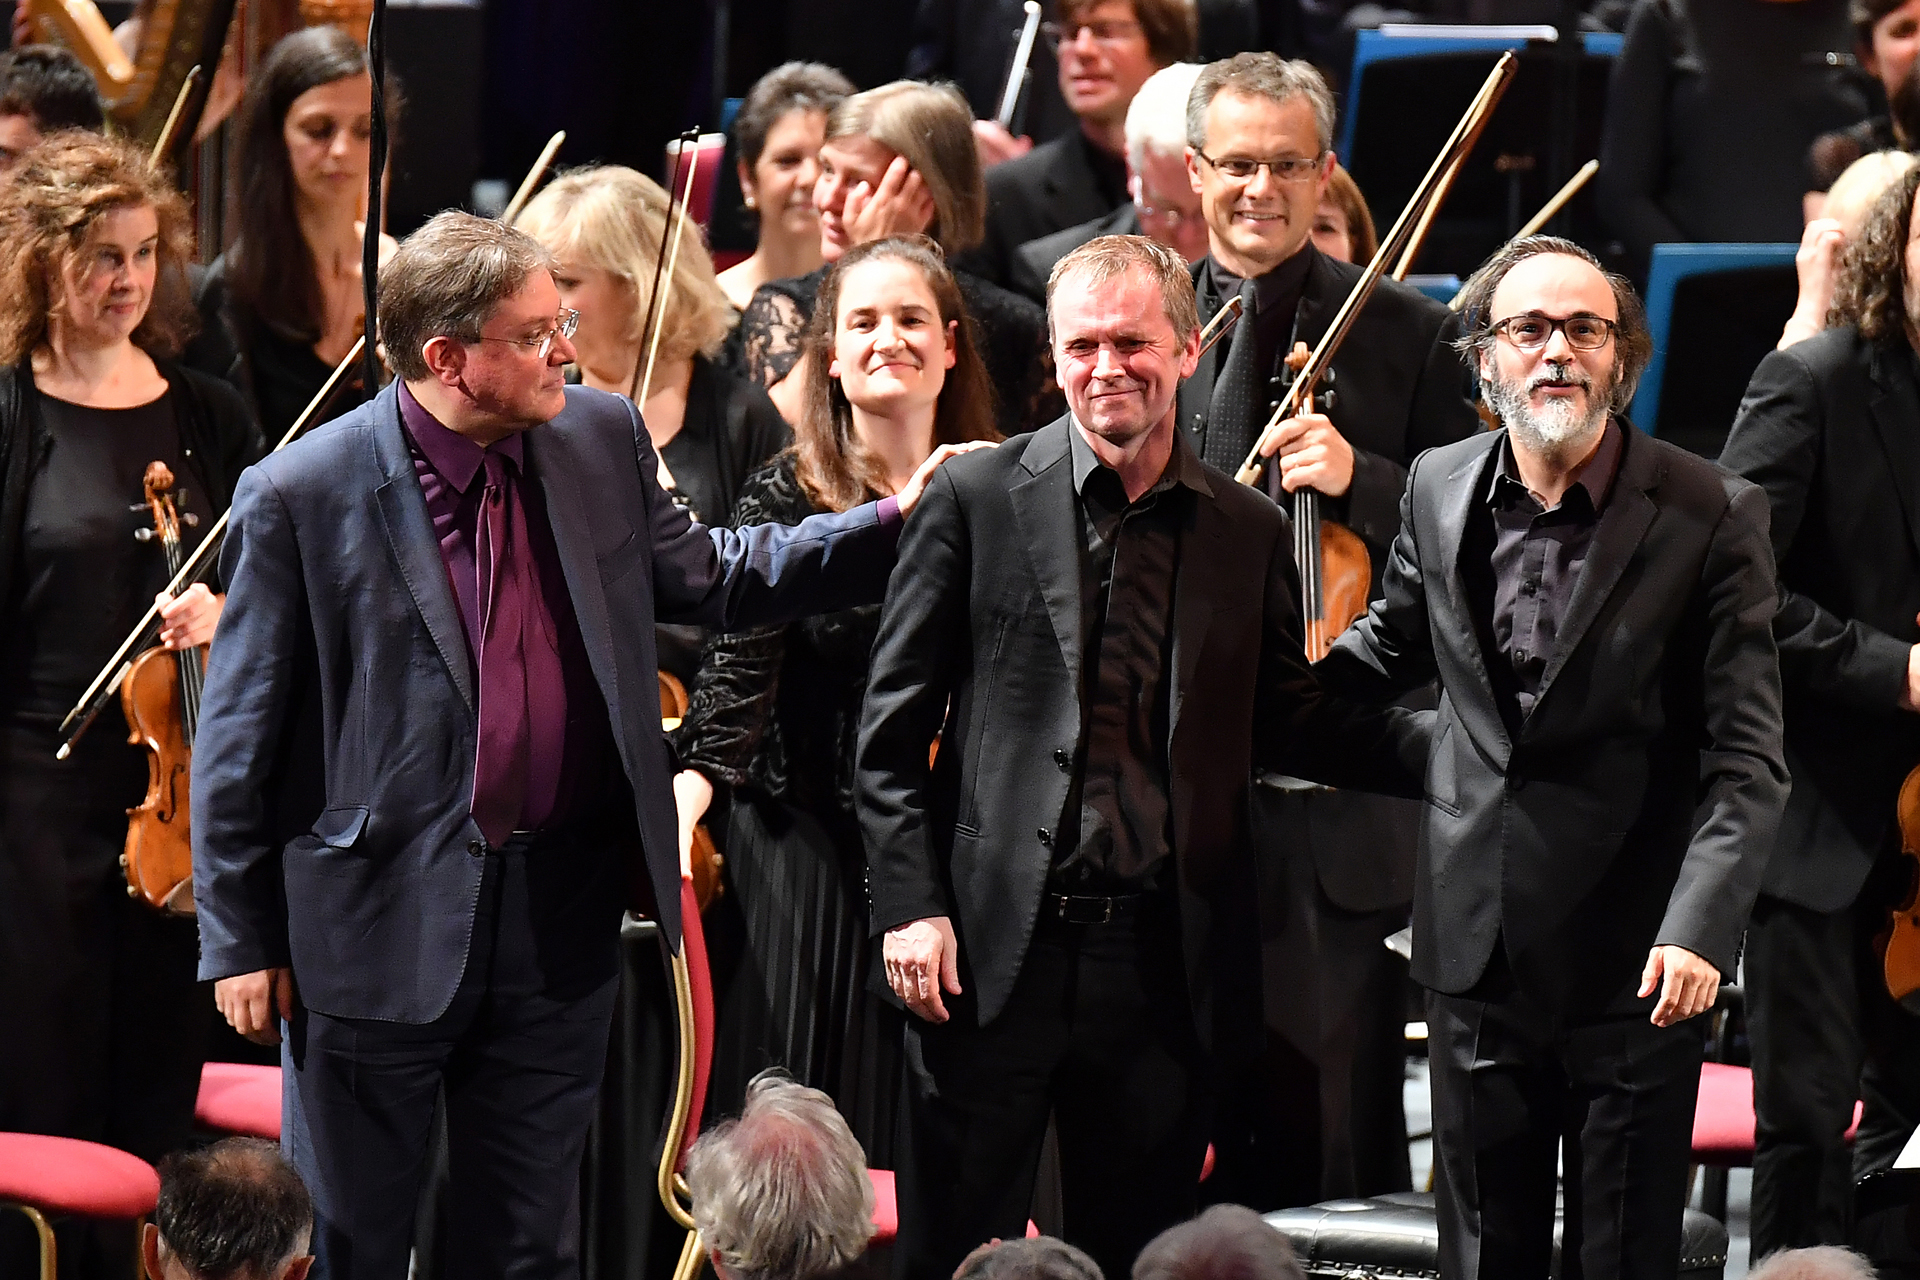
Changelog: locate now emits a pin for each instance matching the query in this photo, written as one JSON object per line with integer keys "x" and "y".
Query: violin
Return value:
{"x": 1336, "y": 573}
{"x": 161, "y": 698}
{"x": 706, "y": 857}
{"x": 1900, "y": 945}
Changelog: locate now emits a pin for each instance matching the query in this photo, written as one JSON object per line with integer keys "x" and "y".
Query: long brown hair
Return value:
{"x": 835, "y": 469}
{"x": 1871, "y": 291}
{"x": 49, "y": 207}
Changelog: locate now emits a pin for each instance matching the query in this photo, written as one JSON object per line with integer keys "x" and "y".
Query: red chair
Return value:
{"x": 1723, "y": 1128}
{"x": 237, "y": 1097}
{"x": 42, "y": 1175}
{"x": 712, "y": 150}
{"x": 693, "y": 996}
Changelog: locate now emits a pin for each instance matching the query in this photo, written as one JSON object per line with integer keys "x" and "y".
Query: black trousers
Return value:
{"x": 1824, "y": 1033}
{"x": 1513, "y": 1082}
{"x": 519, "y": 1053}
{"x": 1321, "y": 1113}
{"x": 1098, "y": 1031}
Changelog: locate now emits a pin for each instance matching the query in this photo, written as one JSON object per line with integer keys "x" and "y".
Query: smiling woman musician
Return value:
{"x": 105, "y": 1023}
{"x": 281, "y": 307}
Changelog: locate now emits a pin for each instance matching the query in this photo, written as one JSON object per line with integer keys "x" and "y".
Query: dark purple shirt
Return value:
{"x": 569, "y": 735}
{"x": 1538, "y": 553}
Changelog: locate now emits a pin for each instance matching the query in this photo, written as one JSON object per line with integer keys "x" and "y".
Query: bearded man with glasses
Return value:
{"x": 1321, "y": 1115}
{"x": 429, "y": 769}
{"x": 1605, "y": 775}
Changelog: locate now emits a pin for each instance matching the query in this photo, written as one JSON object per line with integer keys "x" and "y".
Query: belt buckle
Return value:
{"x": 1070, "y": 909}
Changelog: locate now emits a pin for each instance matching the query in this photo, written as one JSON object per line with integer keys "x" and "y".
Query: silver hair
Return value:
{"x": 1261, "y": 75}
{"x": 782, "y": 1192}
{"x": 1821, "y": 1262}
{"x": 1157, "y": 117}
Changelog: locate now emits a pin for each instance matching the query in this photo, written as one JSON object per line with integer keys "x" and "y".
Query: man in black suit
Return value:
{"x": 1104, "y": 633}
{"x": 1324, "y": 1117}
{"x": 429, "y": 765}
{"x": 1106, "y": 50}
{"x": 1604, "y": 779}
{"x": 1830, "y": 427}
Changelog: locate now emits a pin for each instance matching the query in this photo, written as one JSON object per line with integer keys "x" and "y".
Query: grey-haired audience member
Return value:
{"x": 233, "y": 1211}
{"x": 1038, "y": 1258}
{"x": 1227, "y": 1242}
{"x": 782, "y": 1192}
{"x": 1821, "y": 1262}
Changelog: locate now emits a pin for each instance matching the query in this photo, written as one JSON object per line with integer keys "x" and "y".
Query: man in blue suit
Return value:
{"x": 429, "y": 765}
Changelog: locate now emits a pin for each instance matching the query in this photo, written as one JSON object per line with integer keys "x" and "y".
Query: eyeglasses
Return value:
{"x": 1169, "y": 218}
{"x": 1104, "y": 33}
{"x": 1532, "y": 331}
{"x": 1241, "y": 169}
{"x": 564, "y": 325}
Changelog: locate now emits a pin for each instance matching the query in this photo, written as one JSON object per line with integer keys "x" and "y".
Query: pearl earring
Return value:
{"x": 752, "y": 203}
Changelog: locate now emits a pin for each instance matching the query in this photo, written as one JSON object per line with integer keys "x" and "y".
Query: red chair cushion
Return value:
{"x": 1723, "y": 1116}
{"x": 238, "y": 1097}
{"x": 65, "y": 1175}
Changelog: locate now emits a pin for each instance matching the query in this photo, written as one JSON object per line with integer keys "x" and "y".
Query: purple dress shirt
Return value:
{"x": 570, "y": 738}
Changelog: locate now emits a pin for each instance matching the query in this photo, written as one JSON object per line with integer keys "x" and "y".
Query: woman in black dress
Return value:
{"x": 900, "y": 160}
{"x": 105, "y": 1022}
{"x": 284, "y": 305}
{"x": 775, "y": 710}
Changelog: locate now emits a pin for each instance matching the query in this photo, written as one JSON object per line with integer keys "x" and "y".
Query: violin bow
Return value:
{"x": 105, "y": 684}
{"x": 532, "y": 180}
{"x": 171, "y": 129}
{"x": 665, "y": 265}
{"x": 1464, "y": 135}
{"x": 1540, "y": 219}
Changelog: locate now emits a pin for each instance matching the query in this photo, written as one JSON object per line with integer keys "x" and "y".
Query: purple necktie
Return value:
{"x": 514, "y": 654}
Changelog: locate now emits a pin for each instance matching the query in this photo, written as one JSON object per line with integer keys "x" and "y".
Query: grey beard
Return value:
{"x": 1560, "y": 432}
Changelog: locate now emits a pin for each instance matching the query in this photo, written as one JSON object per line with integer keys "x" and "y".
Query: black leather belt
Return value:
{"x": 1077, "y": 909}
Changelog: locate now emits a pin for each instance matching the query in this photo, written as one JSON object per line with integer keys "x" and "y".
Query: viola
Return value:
{"x": 161, "y": 698}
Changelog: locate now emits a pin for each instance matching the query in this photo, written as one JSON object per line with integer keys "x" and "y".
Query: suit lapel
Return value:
{"x": 416, "y": 552}
{"x": 566, "y": 517}
{"x": 1895, "y": 406}
{"x": 1462, "y": 489}
{"x": 1629, "y": 514}
{"x": 1043, "y": 507}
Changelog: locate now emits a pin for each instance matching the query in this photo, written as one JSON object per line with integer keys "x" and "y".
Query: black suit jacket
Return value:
{"x": 1033, "y": 261}
{"x": 1050, "y": 188}
{"x": 1636, "y": 803}
{"x": 980, "y": 640}
{"x": 1830, "y": 428}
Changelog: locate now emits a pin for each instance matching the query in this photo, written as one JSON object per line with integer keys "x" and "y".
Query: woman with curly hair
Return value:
{"x": 1830, "y": 428}
{"x": 775, "y": 711}
{"x": 105, "y": 1022}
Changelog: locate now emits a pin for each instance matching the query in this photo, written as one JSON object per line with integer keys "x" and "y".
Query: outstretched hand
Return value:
{"x": 914, "y": 487}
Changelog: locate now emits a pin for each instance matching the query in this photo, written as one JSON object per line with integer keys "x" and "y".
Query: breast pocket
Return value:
{"x": 619, "y": 562}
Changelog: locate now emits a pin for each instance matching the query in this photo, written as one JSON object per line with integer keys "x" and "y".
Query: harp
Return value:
{"x": 139, "y": 91}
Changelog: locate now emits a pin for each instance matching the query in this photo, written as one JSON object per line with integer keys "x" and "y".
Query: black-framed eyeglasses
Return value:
{"x": 1285, "y": 169}
{"x": 1110, "y": 32}
{"x": 564, "y": 326}
{"x": 1532, "y": 331}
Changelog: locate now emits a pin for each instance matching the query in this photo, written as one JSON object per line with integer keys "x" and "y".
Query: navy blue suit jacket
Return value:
{"x": 333, "y": 766}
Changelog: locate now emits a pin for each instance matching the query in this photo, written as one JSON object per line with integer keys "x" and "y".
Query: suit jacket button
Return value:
{"x": 1062, "y": 757}
{"x": 476, "y": 847}
{"x": 1046, "y": 837}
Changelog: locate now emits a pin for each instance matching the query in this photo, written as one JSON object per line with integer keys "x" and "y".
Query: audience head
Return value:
{"x": 604, "y": 227}
{"x": 306, "y": 130}
{"x": 1821, "y": 1262}
{"x": 1108, "y": 48}
{"x": 1854, "y": 193}
{"x": 931, "y": 128}
{"x": 469, "y": 314}
{"x": 777, "y": 137}
{"x": 1035, "y": 1258}
{"x": 893, "y": 336}
{"x": 1343, "y": 225}
{"x": 1876, "y": 290}
{"x": 1553, "y": 384}
{"x": 1125, "y": 331}
{"x": 43, "y": 89}
{"x": 1227, "y": 1242}
{"x": 233, "y": 1211}
{"x": 782, "y": 1192}
{"x": 1168, "y": 206}
{"x": 94, "y": 245}
{"x": 1247, "y": 114}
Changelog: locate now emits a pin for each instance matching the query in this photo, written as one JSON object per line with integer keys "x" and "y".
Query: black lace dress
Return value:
{"x": 774, "y": 716}
{"x": 1010, "y": 331}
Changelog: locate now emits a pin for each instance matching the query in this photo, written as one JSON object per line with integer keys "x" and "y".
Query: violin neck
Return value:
{"x": 189, "y": 661}
{"x": 1306, "y": 555}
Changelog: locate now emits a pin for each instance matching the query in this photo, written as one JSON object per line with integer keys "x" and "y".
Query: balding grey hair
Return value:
{"x": 1157, "y": 116}
{"x": 782, "y": 1192}
{"x": 446, "y": 279}
{"x": 1227, "y": 1242}
{"x": 1261, "y": 75}
{"x": 1821, "y": 1262}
